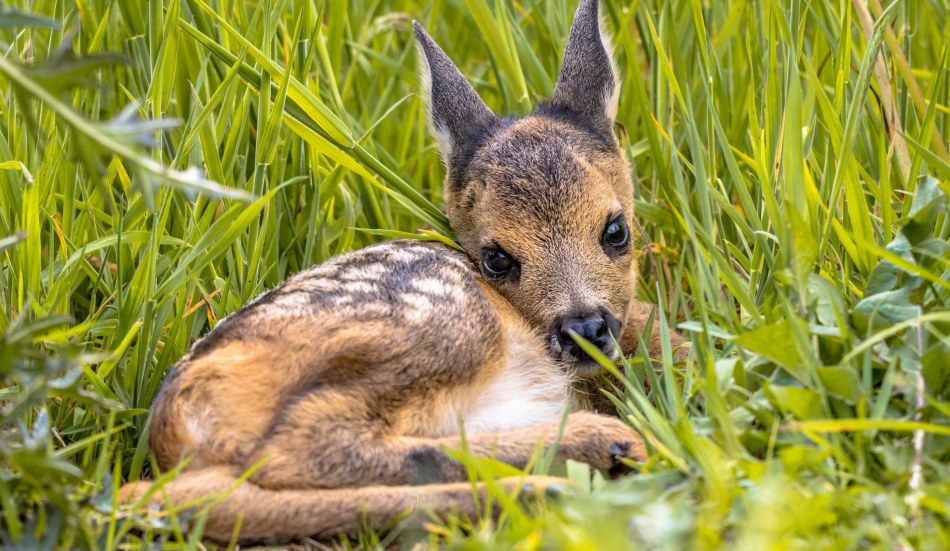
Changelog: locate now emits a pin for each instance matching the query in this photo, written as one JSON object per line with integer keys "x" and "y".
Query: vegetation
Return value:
{"x": 793, "y": 184}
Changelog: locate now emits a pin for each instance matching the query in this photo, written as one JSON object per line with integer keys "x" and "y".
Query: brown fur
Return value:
{"x": 343, "y": 386}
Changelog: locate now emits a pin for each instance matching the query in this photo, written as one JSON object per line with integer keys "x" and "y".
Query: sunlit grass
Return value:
{"x": 790, "y": 226}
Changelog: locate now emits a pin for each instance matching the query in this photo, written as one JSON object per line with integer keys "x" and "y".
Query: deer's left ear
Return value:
{"x": 588, "y": 84}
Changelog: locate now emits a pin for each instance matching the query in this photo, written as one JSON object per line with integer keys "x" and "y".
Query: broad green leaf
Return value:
{"x": 803, "y": 403}
{"x": 776, "y": 343}
{"x": 840, "y": 381}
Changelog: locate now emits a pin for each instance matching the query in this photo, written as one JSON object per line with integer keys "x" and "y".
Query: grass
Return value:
{"x": 792, "y": 192}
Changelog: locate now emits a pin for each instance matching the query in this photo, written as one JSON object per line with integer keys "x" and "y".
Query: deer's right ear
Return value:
{"x": 459, "y": 119}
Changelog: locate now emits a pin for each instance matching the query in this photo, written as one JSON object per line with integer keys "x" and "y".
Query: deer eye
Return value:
{"x": 616, "y": 235}
{"x": 497, "y": 264}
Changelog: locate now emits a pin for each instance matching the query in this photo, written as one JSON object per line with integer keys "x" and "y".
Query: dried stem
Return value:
{"x": 887, "y": 96}
{"x": 916, "y": 471}
{"x": 913, "y": 88}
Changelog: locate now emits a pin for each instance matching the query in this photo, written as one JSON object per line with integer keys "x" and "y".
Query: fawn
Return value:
{"x": 344, "y": 385}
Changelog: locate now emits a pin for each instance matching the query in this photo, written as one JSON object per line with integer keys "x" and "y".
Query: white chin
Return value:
{"x": 586, "y": 368}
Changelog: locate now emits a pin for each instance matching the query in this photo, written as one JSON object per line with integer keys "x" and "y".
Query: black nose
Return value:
{"x": 593, "y": 326}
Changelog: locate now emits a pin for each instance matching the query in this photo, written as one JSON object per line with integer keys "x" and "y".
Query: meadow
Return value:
{"x": 163, "y": 162}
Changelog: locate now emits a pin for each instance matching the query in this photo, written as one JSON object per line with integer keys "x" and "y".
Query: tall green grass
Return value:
{"x": 792, "y": 180}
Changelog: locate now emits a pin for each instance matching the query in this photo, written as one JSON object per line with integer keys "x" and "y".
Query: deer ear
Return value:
{"x": 588, "y": 84}
{"x": 458, "y": 117}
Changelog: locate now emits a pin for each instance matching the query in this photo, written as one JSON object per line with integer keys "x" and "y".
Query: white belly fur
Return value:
{"x": 529, "y": 389}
